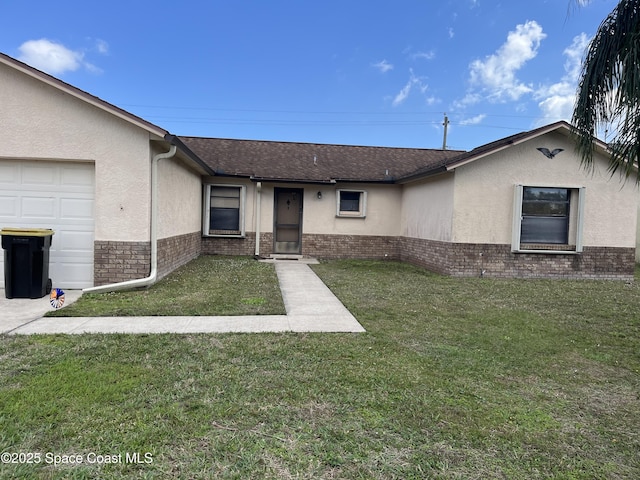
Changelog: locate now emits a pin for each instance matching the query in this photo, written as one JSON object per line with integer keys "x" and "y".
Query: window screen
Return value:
{"x": 349, "y": 201}
{"x": 545, "y": 215}
{"x": 225, "y": 208}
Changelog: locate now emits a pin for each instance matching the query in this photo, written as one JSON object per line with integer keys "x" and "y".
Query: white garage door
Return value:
{"x": 56, "y": 195}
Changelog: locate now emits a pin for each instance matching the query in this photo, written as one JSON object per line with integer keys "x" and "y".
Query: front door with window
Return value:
{"x": 287, "y": 220}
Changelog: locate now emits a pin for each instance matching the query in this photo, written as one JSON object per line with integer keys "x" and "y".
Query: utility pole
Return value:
{"x": 446, "y": 126}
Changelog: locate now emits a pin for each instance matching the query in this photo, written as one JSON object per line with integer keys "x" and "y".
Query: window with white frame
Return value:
{"x": 351, "y": 203}
{"x": 548, "y": 219}
{"x": 224, "y": 210}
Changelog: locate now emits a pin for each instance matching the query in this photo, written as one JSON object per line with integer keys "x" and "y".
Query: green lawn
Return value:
{"x": 209, "y": 285}
{"x": 454, "y": 379}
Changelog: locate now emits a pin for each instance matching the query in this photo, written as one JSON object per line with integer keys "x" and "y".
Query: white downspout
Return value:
{"x": 258, "y": 215}
{"x": 143, "y": 282}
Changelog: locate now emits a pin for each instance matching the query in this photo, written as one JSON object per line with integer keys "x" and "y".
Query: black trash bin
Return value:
{"x": 26, "y": 262}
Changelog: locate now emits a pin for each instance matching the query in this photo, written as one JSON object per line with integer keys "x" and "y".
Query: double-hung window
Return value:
{"x": 224, "y": 210}
{"x": 351, "y": 203}
{"x": 548, "y": 219}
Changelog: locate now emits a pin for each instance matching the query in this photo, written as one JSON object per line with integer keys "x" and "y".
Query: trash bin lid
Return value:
{"x": 27, "y": 232}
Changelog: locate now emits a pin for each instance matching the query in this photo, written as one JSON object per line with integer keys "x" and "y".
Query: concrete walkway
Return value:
{"x": 310, "y": 307}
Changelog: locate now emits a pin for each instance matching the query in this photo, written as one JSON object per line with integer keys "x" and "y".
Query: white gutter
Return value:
{"x": 143, "y": 282}
{"x": 258, "y": 203}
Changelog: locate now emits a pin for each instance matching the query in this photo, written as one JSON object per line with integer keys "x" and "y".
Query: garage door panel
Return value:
{"x": 78, "y": 177}
{"x": 9, "y": 174}
{"x": 56, "y": 195}
{"x": 79, "y": 274}
{"x": 40, "y": 175}
{"x": 76, "y": 208}
{"x": 73, "y": 242}
{"x": 37, "y": 207}
{"x": 8, "y": 207}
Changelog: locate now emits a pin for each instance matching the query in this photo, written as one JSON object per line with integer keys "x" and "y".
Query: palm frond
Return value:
{"x": 609, "y": 90}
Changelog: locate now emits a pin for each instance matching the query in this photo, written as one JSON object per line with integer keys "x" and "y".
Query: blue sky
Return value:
{"x": 345, "y": 72}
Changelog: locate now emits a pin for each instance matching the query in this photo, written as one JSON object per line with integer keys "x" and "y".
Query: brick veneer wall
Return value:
{"x": 350, "y": 246}
{"x": 174, "y": 252}
{"x": 471, "y": 260}
{"x": 121, "y": 261}
{"x": 230, "y": 245}
{"x": 455, "y": 259}
{"x": 313, "y": 245}
{"x": 115, "y": 262}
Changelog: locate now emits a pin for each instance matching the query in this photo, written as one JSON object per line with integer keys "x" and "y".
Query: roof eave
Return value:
{"x": 388, "y": 181}
{"x": 538, "y": 133}
{"x": 256, "y": 178}
{"x": 174, "y": 140}
{"x": 424, "y": 174}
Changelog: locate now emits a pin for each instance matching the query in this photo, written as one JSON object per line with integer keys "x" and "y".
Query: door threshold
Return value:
{"x": 285, "y": 257}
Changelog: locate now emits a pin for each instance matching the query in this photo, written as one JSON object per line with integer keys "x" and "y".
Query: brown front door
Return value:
{"x": 288, "y": 220}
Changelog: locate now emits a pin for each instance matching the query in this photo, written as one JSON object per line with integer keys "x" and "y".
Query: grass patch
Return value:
{"x": 455, "y": 378}
{"x": 208, "y": 285}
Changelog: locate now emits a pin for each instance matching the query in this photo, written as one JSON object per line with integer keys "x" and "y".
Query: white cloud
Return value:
{"x": 383, "y": 66}
{"x": 575, "y": 53}
{"x": 402, "y": 94}
{"x": 413, "y": 82}
{"x": 556, "y": 101}
{"x": 496, "y": 74}
{"x": 473, "y": 120}
{"x": 56, "y": 59}
{"x": 557, "y": 107}
{"x": 49, "y": 56}
{"x": 471, "y": 98}
{"x": 432, "y": 100}
{"x": 430, "y": 55}
{"x": 102, "y": 47}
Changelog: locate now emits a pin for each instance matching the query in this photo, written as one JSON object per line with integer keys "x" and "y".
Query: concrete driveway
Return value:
{"x": 18, "y": 311}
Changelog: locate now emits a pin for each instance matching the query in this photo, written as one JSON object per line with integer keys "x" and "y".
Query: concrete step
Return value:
{"x": 275, "y": 257}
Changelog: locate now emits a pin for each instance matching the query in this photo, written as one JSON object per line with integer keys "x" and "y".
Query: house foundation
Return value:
{"x": 173, "y": 252}
{"x": 116, "y": 261}
{"x": 313, "y": 245}
{"x": 498, "y": 261}
{"x": 121, "y": 261}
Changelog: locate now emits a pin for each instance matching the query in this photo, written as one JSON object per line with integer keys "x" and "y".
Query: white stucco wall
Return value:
{"x": 41, "y": 122}
{"x": 427, "y": 208}
{"x": 638, "y": 233}
{"x": 484, "y": 192}
{"x": 180, "y": 199}
{"x": 384, "y": 204}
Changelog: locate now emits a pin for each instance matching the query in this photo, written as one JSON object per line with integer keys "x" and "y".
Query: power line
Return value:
{"x": 319, "y": 112}
{"x": 323, "y": 123}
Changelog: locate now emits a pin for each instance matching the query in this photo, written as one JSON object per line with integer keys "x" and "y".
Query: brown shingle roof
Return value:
{"x": 322, "y": 163}
{"x": 311, "y": 162}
